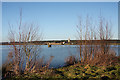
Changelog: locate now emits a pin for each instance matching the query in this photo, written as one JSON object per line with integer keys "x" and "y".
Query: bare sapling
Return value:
{"x": 93, "y": 42}
{"x": 24, "y": 51}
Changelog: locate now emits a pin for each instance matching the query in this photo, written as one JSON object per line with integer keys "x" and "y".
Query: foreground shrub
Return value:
{"x": 70, "y": 60}
{"x": 94, "y": 46}
{"x": 104, "y": 60}
{"x": 24, "y": 56}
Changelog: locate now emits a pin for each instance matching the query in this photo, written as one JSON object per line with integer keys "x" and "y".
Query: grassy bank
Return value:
{"x": 76, "y": 71}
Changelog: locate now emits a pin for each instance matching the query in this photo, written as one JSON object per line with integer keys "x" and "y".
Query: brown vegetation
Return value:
{"x": 23, "y": 59}
{"x": 100, "y": 54}
{"x": 70, "y": 60}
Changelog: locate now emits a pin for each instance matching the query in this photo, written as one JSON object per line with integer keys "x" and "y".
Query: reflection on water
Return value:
{"x": 60, "y": 52}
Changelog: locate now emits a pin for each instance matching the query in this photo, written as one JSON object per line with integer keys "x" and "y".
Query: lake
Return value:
{"x": 60, "y": 53}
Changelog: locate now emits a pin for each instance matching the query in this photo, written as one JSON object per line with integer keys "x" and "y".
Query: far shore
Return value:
{"x": 65, "y": 42}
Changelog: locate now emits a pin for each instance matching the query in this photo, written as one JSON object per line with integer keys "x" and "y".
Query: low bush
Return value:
{"x": 70, "y": 60}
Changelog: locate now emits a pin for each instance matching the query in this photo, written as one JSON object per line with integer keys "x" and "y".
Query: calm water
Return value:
{"x": 60, "y": 53}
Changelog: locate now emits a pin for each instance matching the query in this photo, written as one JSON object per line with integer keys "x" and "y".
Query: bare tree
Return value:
{"x": 25, "y": 52}
{"x": 105, "y": 34}
{"x": 89, "y": 47}
{"x": 79, "y": 31}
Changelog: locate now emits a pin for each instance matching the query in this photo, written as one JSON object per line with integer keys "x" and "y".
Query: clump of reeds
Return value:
{"x": 93, "y": 42}
{"x": 70, "y": 60}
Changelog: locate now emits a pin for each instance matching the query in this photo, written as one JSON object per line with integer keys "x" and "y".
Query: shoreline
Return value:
{"x": 65, "y": 42}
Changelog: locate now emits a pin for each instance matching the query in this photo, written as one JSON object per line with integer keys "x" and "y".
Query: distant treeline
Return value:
{"x": 72, "y": 42}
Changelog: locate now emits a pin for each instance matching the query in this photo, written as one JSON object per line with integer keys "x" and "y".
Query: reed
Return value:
{"x": 100, "y": 54}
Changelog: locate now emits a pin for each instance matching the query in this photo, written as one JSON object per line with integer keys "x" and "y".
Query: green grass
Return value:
{"x": 77, "y": 72}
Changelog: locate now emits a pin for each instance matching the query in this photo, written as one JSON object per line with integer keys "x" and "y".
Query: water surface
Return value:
{"x": 60, "y": 53}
